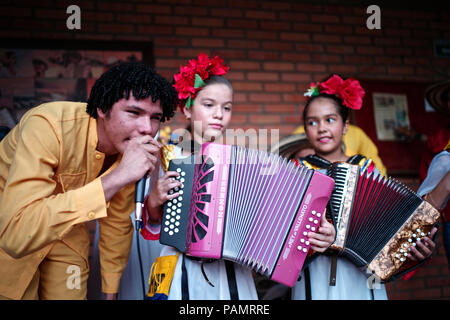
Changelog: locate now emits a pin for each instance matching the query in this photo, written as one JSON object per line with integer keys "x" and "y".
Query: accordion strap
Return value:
{"x": 231, "y": 276}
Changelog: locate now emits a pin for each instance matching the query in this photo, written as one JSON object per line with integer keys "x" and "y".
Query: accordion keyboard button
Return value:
{"x": 176, "y": 230}
{"x": 305, "y": 233}
{"x": 310, "y": 219}
{"x": 302, "y": 240}
{"x": 305, "y": 250}
{"x": 307, "y": 243}
{"x": 313, "y": 212}
{"x": 166, "y": 229}
{"x": 299, "y": 247}
{"x": 316, "y": 222}
{"x": 313, "y": 228}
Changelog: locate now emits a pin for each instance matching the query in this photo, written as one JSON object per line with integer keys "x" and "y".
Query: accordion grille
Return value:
{"x": 265, "y": 192}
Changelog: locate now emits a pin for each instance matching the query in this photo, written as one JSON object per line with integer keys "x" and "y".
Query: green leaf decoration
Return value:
{"x": 189, "y": 102}
{"x": 198, "y": 82}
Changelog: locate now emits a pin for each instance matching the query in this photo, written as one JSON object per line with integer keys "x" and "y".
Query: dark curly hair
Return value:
{"x": 136, "y": 78}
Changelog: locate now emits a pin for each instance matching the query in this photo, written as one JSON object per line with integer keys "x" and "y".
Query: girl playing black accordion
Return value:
{"x": 326, "y": 121}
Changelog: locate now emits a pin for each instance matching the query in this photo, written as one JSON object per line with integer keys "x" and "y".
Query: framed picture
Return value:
{"x": 39, "y": 71}
{"x": 395, "y": 116}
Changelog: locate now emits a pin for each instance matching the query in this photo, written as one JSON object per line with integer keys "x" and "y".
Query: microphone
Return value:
{"x": 139, "y": 196}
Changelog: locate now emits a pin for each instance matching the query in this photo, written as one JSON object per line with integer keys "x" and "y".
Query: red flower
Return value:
{"x": 331, "y": 86}
{"x": 204, "y": 67}
{"x": 351, "y": 94}
{"x": 349, "y": 91}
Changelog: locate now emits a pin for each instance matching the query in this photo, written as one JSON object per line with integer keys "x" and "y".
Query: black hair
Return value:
{"x": 343, "y": 110}
{"x": 136, "y": 78}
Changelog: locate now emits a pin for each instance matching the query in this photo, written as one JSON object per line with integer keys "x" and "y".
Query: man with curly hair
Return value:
{"x": 67, "y": 163}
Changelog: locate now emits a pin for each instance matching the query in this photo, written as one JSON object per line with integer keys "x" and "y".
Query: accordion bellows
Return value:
{"x": 247, "y": 206}
{"x": 377, "y": 219}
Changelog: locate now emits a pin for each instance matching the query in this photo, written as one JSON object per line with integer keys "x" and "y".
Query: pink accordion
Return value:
{"x": 248, "y": 206}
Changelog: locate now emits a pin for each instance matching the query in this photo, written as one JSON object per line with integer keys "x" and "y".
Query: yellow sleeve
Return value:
{"x": 357, "y": 142}
{"x": 34, "y": 210}
{"x": 116, "y": 235}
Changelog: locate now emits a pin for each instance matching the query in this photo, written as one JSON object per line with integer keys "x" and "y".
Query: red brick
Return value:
{"x": 295, "y": 77}
{"x": 230, "y": 54}
{"x": 285, "y": 108}
{"x": 231, "y": 13}
{"x": 154, "y": 30}
{"x": 172, "y": 20}
{"x": 326, "y": 58}
{"x": 294, "y": 16}
{"x": 134, "y": 18}
{"x": 279, "y": 87}
{"x": 247, "y": 108}
{"x": 275, "y": 25}
{"x": 263, "y": 55}
{"x": 247, "y": 86}
{"x": 295, "y": 36}
{"x": 155, "y": 9}
{"x": 301, "y": 57}
{"x": 309, "y": 47}
{"x": 242, "y": 23}
{"x": 116, "y": 28}
{"x": 191, "y": 11}
{"x": 277, "y": 45}
{"x": 192, "y": 31}
{"x": 244, "y": 65}
{"x": 264, "y": 97}
{"x": 294, "y": 97}
{"x": 324, "y": 18}
{"x": 263, "y": 76}
{"x": 114, "y": 6}
{"x": 207, "y": 22}
{"x": 307, "y": 27}
{"x": 434, "y": 293}
{"x": 343, "y": 69}
{"x": 259, "y": 14}
{"x": 357, "y": 40}
{"x": 327, "y": 38}
{"x": 243, "y": 44}
{"x": 401, "y": 70}
{"x": 208, "y": 43}
{"x": 263, "y": 118}
{"x": 169, "y": 63}
{"x": 228, "y": 33}
{"x": 264, "y": 35}
{"x": 340, "y": 49}
{"x": 278, "y": 66}
{"x": 310, "y": 67}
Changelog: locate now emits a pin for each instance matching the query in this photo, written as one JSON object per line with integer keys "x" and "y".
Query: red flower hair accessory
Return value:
{"x": 349, "y": 91}
{"x": 190, "y": 79}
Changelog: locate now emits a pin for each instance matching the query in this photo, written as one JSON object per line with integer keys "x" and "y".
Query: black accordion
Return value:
{"x": 377, "y": 219}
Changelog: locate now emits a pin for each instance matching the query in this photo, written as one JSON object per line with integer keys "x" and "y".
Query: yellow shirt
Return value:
{"x": 49, "y": 188}
{"x": 356, "y": 141}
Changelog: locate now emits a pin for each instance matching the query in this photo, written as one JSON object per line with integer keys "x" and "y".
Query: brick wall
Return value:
{"x": 274, "y": 48}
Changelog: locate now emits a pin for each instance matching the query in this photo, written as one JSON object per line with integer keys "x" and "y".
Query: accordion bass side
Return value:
{"x": 377, "y": 219}
{"x": 251, "y": 207}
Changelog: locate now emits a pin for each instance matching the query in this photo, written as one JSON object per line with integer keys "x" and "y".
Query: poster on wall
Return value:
{"x": 31, "y": 76}
{"x": 391, "y": 116}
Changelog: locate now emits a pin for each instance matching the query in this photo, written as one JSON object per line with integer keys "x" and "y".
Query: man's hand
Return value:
{"x": 139, "y": 157}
